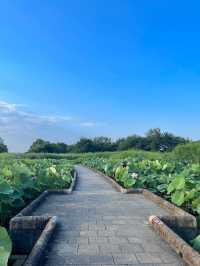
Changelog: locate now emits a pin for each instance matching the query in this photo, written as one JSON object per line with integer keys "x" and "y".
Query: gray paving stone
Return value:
{"x": 88, "y": 250}
{"x": 99, "y": 240}
{"x": 100, "y": 226}
{"x": 125, "y": 259}
{"x": 134, "y": 247}
{"x": 118, "y": 240}
{"x": 93, "y": 260}
{"x": 109, "y": 249}
{"x": 148, "y": 257}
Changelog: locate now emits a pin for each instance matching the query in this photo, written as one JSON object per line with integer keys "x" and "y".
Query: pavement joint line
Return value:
{"x": 96, "y": 211}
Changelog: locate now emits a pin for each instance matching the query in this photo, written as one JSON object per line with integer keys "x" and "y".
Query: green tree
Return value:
{"x": 3, "y": 147}
{"x": 42, "y": 146}
{"x": 39, "y": 145}
{"x": 103, "y": 144}
{"x": 162, "y": 141}
{"x": 84, "y": 145}
{"x": 154, "y": 139}
{"x": 130, "y": 142}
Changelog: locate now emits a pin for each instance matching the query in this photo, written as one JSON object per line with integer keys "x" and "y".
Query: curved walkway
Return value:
{"x": 100, "y": 226}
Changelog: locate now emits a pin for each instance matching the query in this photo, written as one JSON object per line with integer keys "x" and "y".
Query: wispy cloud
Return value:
{"x": 43, "y": 119}
{"x": 10, "y": 112}
{"x": 6, "y": 107}
{"x": 20, "y": 127}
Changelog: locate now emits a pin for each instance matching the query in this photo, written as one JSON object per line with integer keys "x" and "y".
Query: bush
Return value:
{"x": 189, "y": 152}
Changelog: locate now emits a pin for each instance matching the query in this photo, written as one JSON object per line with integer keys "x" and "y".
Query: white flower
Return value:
{"x": 134, "y": 175}
{"x": 53, "y": 170}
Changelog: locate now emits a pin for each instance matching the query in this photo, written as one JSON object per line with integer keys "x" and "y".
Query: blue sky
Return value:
{"x": 94, "y": 67}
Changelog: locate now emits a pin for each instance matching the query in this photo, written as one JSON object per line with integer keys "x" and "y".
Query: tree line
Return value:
{"x": 3, "y": 147}
{"x": 154, "y": 140}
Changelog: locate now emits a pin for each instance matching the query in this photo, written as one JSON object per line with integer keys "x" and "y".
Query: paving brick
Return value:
{"x": 98, "y": 240}
{"x": 131, "y": 248}
{"x": 101, "y": 259}
{"x": 109, "y": 249}
{"x": 148, "y": 257}
{"x": 88, "y": 250}
{"x": 118, "y": 240}
{"x": 102, "y": 227}
{"x": 125, "y": 259}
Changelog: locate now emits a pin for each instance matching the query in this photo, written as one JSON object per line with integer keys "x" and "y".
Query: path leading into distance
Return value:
{"x": 100, "y": 226}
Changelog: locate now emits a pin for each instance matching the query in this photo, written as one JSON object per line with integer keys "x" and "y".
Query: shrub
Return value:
{"x": 189, "y": 152}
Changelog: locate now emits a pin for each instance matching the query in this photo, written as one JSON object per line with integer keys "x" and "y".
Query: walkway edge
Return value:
{"x": 35, "y": 203}
{"x": 147, "y": 194}
{"x": 181, "y": 247}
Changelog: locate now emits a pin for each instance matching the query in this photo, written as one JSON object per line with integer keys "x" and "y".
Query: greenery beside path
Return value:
{"x": 22, "y": 180}
{"x": 175, "y": 179}
{"x": 173, "y": 175}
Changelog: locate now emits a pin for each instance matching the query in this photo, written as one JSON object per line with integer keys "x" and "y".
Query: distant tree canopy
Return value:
{"x": 40, "y": 145}
{"x": 97, "y": 144}
{"x": 3, "y": 147}
{"x": 154, "y": 140}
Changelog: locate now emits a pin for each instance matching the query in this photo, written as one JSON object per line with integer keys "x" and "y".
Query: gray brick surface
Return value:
{"x": 102, "y": 227}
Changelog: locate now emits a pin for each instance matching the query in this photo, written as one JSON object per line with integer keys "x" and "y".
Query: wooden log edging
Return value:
{"x": 31, "y": 234}
{"x": 167, "y": 226}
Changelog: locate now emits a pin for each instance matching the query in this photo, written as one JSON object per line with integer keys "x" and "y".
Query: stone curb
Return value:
{"x": 148, "y": 194}
{"x": 39, "y": 248}
{"x": 181, "y": 247}
{"x": 166, "y": 204}
{"x": 165, "y": 226}
{"x": 31, "y": 234}
{"x": 35, "y": 203}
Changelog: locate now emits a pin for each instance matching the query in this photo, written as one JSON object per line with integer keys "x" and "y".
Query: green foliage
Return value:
{"x": 41, "y": 146}
{"x": 5, "y": 247}
{"x": 196, "y": 243}
{"x": 178, "y": 182}
{"x": 162, "y": 141}
{"x": 22, "y": 180}
{"x": 178, "y": 197}
{"x": 155, "y": 140}
{"x": 189, "y": 152}
{"x": 3, "y": 147}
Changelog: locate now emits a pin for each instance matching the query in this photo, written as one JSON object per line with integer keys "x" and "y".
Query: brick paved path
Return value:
{"x": 100, "y": 226}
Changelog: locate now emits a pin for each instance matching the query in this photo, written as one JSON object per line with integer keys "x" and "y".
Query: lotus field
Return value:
{"x": 20, "y": 182}
{"x": 23, "y": 180}
{"x": 178, "y": 182}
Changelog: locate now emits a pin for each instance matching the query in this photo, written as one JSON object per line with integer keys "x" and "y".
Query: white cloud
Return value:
{"x": 10, "y": 113}
{"x": 43, "y": 119}
{"x": 7, "y": 107}
{"x": 19, "y": 127}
